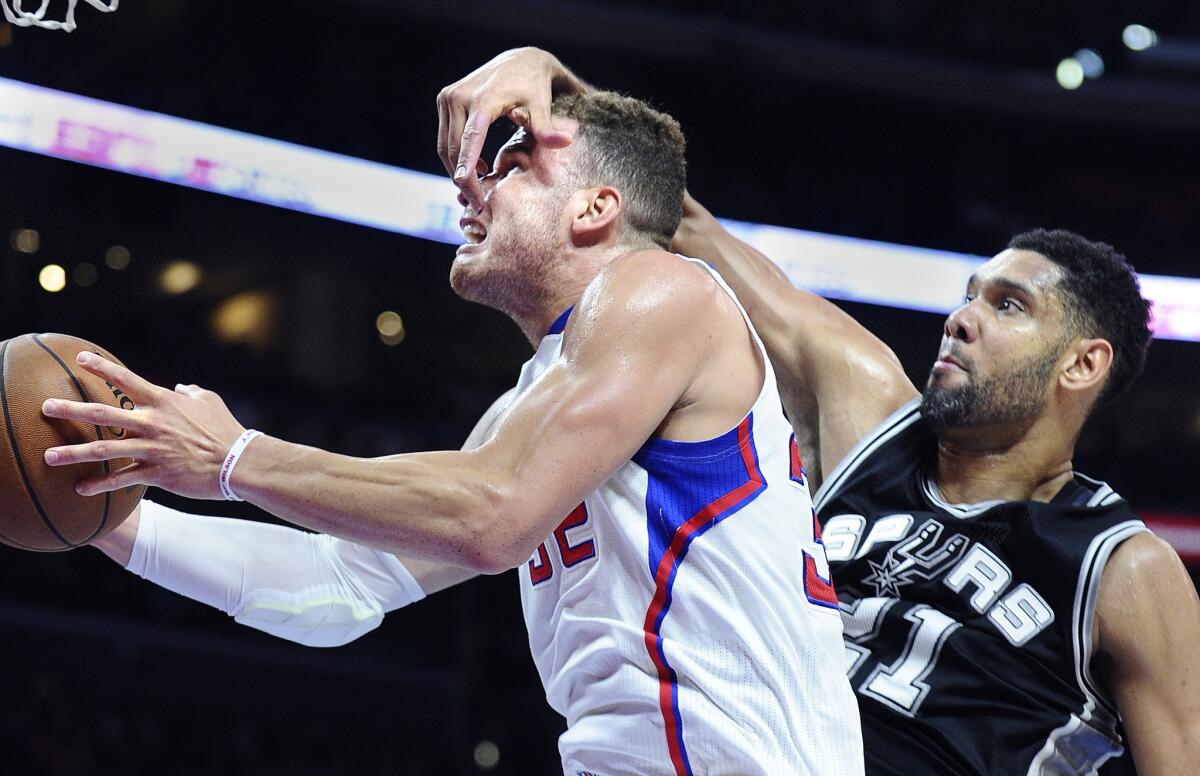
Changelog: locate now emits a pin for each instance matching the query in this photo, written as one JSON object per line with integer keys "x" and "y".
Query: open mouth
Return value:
{"x": 474, "y": 232}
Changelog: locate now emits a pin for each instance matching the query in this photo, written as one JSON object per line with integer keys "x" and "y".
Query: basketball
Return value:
{"x": 39, "y": 508}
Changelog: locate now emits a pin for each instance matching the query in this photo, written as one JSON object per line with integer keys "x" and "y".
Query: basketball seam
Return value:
{"x": 83, "y": 394}
{"x": 12, "y": 440}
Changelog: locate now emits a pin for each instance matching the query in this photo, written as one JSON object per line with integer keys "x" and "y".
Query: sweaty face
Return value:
{"x": 1000, "y": 349}
{"x": 520, "y": 229}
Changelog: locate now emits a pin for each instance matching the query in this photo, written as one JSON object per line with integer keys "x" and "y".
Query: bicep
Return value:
{"x": 631, "y": 355}
{"x": 1149, "y": 618}
{"x": 574, "y": 427}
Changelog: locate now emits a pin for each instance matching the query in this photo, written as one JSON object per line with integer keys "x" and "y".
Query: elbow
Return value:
{"x": 491, "y": 555}
{"x": 491, "y": 540}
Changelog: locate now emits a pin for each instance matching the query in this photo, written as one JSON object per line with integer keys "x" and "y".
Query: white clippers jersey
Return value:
{"x": 681, "y": 618}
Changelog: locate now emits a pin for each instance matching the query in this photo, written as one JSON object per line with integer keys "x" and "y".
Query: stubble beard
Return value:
{"x": 1018, "y": 394}
{"x": 512, "y": 276}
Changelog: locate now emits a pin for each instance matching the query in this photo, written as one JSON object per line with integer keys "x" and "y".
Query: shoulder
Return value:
{"x": 1141, "y": 562}
{"x": 651, "y": 290}
{"x": 654, "y": 275}
{"x": 1143, "y": 584}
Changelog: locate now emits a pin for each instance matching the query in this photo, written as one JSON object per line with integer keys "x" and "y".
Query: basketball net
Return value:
{"x": 22, "y": 18}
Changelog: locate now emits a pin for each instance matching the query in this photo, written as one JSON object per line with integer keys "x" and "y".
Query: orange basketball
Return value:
{"x": 39, "y": 508}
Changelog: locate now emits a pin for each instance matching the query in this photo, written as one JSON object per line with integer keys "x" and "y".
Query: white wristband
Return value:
{"x": 235, "y": 452}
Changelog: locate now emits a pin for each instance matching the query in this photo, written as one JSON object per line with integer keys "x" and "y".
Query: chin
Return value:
{"x": 464, "y": 277}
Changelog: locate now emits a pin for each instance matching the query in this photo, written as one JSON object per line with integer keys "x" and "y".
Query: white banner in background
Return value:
{"x": 224, "y": 161}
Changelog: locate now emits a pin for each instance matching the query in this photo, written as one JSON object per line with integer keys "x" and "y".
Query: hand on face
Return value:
{"x": 520, "y": 84}
{"x": 177, "y": 439}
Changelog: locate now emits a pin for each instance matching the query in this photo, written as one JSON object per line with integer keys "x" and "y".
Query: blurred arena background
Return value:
{"x": 916, "y": 122}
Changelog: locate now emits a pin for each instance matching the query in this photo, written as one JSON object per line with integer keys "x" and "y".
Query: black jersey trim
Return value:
{"x": 1096, "y": 721}
{"x": 1103, "y": 494}
{"x": 1088, "y": 587}
{"x": 963, "y": 511}
{"x": 899, "y": 420}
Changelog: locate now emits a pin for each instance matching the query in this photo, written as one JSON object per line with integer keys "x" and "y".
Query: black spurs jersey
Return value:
{"x": 968, "y": 628}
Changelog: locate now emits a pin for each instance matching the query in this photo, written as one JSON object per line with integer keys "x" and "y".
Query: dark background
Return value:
{"x": 914, "y": 121}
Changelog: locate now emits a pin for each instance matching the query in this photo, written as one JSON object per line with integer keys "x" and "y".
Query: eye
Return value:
{"x": 1010, "y": 304}
{"x": 967, "y": 299}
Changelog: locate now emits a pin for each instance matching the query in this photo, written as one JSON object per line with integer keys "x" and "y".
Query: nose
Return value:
{"x": 487, "y": 182}
{"x": 962, "y": 324}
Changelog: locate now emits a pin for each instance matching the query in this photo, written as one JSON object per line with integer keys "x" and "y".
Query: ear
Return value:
{"x": 597, "y": 214}
{"x": 1086, "y": 366}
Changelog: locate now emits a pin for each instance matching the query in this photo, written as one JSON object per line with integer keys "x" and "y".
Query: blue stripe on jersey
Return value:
{"x": 560, "y": 323}
{"x": 685, "y": 477}
{"x": 691, "y": 486}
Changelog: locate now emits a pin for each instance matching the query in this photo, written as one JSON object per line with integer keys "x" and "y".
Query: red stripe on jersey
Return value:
{"x": 664, "y": 578}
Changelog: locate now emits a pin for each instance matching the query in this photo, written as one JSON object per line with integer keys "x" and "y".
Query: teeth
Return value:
{"x": 474, "y": 233}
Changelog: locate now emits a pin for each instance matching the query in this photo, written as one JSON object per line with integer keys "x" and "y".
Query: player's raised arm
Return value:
{"x": 485, "y": 509}
{"x": 837, "y": 380}
{"x": 1148, "y": 619}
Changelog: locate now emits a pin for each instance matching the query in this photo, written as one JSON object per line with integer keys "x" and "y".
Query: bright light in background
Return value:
{"x": 487, "y": 755}
{"x": 308, "y": 180}
{"x": 52, "y": 278}
{"x": 117, "y": 257}
{"x": 390, "y": 327}
{"x": 1138, "y": 37}
{"x": 85, "y": 274}
{"x": 1069, "y": 73}
{"x": 179, "y": 277}
{"x": 246, "y": 319}
{"x": 1091, "y": 62}
{"x": 25, "y": 240}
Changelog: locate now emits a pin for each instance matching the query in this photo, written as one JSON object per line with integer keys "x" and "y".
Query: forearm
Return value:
{"x": 439, "y": 506}
{"x": 836, "y": 379}
{"x": 565, "y": 81}
{"x": 308, "y": 588}
{"x": 758, "y": 282}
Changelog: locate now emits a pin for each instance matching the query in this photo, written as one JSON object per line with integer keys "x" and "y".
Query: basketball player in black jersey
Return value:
{"x": 1003, "y": 614}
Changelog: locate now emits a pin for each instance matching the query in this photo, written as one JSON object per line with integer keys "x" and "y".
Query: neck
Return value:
{"x": 1032, "y": 463}
{"x": 563, "y": 288}
{"x": 536, "y": 323}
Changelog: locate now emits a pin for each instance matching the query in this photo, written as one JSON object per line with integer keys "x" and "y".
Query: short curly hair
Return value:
{"x": 1100, "y": 291}
{"x": 637, "y": 150}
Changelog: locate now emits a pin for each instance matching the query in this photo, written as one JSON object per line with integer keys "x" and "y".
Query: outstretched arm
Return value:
{"x": 307, "y": 588}
{"x": 1148, "y": 620}
{"x": 485, "y": 509}
{"x": 837, "y": 380}
{"x": 121, "y": 543}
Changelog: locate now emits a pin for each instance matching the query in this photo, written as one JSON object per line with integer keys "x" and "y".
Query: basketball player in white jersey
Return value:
{"x": 951, "y": 680}
{"x": 641, "y": 476}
